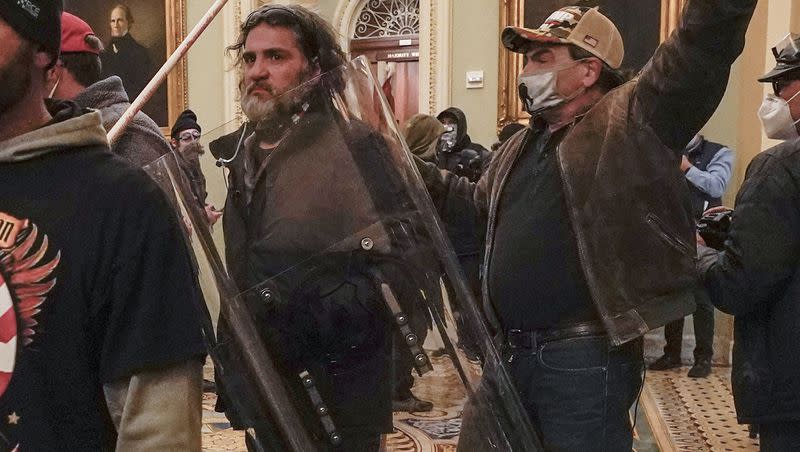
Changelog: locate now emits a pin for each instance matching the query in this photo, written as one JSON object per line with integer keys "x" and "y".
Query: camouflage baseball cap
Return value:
{"x": 584, "y": 27}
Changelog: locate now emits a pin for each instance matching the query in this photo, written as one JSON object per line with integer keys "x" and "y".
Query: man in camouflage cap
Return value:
{"x": 590, "y": 235}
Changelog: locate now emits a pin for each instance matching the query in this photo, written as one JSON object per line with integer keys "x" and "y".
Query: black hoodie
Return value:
{"x": 465, "y": 158}
{"x": 96, "y": 285}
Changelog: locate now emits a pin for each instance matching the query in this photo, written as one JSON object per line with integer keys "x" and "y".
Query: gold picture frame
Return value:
{"x": 509, "y": 108}
{"x": 158, "y": 26}
{"x": 177, "y": 80}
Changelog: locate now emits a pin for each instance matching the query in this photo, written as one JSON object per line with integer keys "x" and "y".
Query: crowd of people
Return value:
{"x": 576, "y": 232}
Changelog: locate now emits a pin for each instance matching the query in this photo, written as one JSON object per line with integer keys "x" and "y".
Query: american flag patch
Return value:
{"x": 591, "y": 41}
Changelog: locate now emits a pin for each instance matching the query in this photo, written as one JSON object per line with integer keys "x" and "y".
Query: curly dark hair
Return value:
{"x": 314, "y": 36}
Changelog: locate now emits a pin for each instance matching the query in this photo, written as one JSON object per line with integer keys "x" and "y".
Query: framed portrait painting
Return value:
{"x": 138, "y": 36}
{"x": 643, "y": 24}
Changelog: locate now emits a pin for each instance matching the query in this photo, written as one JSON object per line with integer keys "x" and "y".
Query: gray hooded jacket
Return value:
{"x": 142, "y": 141}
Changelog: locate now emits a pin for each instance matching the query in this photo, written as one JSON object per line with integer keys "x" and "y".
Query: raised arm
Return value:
{"x": 682, "y": 85}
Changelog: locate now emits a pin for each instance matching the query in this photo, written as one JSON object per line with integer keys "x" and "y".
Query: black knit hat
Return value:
{"x": 186, "y": 120}
{"x": 38, "y": 21}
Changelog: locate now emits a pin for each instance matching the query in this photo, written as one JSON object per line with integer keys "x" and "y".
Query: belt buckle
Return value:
{"x": 520, "y": 339}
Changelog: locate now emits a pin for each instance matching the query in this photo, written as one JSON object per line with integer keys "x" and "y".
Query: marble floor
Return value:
{"x": 694, "y": 414}
{"x": 433, "y": 431}
{"x": 675, "y": 413}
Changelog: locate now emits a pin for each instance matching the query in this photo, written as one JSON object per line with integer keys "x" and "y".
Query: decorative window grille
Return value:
{"x": 386, "y": 18}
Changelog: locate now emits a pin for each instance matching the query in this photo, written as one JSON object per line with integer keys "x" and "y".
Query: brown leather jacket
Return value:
{"x": 627, "y": 199}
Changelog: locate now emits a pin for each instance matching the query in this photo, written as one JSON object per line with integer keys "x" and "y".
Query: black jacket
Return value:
{"x": 306, "y": 207}
{"x": 466, "y": 159}
{"x": 757, "y": 279}
{"x": 94, "y": 260}
{"x": 128, "y": 59}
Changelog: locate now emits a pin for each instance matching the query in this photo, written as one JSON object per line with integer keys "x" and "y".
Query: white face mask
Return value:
{"x": 777, "y": 118}
{"x": 448, "y": 139}
{"x": 538, "y": 91}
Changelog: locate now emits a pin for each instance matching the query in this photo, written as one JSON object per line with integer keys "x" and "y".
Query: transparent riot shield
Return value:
{"x": 336, "y": 307}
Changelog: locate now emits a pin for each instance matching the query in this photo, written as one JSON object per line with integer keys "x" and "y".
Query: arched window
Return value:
{"x": 387, "y": 18}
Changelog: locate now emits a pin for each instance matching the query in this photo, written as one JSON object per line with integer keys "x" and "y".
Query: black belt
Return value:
{"x": 533, "y": 338}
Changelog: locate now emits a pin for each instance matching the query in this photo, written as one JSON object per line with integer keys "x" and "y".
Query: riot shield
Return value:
{"x": 327, "y": 301}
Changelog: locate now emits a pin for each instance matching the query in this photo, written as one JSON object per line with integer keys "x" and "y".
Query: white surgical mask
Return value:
{"x": 538, "y": 91}
{"x": 777, "y": 118}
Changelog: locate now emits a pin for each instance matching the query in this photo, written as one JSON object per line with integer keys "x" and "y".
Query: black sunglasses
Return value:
{"x": 780, "y": 85}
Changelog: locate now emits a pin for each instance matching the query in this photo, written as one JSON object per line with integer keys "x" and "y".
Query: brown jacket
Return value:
{"x": 628, "y": 201}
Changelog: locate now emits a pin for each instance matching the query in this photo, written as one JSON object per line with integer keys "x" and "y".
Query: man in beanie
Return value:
{"x": 590, "y": 236}
{"x": 101, "y": 342}
{"x": 76, "y": 77}
{"x": 185, "y": 141}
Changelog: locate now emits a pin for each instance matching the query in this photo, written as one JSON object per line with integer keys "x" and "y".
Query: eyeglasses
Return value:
{"x": 780, "y": 85}
{"x": 189, "y": 136}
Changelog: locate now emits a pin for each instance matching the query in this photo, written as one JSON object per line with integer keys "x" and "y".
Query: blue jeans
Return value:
{"x": 578, "y": 391}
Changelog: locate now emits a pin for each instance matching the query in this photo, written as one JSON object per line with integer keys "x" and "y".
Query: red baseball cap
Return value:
{"x": 73, "y": 35}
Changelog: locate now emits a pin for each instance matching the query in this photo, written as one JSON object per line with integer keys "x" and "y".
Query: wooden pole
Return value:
{"x": 161, "y": 75}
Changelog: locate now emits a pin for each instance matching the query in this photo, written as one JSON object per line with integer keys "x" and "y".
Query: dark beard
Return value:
{"x": 275, "y": 116}
{"x": 274, "y": 125}
{"x": 15, "y": 79}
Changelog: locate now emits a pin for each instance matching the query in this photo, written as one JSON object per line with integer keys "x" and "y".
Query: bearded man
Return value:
{"x": 185, "y": 142}
{"x": 295, "y": 191}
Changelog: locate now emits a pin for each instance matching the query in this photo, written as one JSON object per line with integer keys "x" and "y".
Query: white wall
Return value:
{"x": 207, "y": 67}
{"x": 736, "y": 123}
{"x": 476, "y": 46}
{"x": 327, "y": 8}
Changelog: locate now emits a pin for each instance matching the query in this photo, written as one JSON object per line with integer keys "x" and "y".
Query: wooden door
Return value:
{"x": 395, "y": 65}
